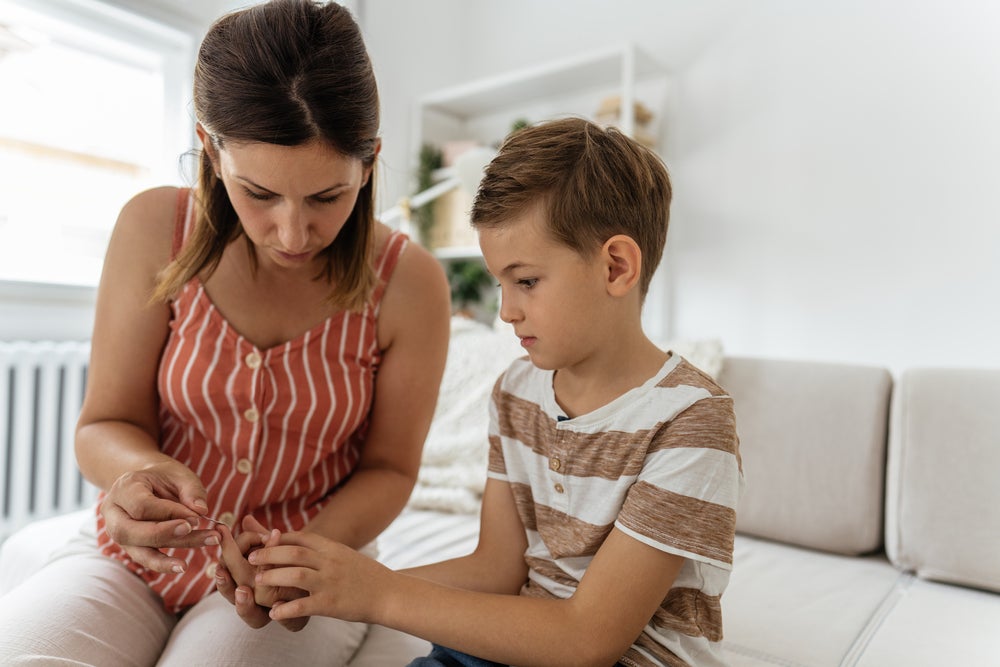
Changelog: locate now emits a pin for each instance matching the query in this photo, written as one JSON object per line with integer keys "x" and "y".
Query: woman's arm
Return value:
{"x": 150, "y": 495}
{"x": 413, "y": 330}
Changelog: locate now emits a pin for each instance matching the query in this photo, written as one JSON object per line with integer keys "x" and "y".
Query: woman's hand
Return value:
{"x": 157, "y": 507}
{"x": 339, "y": 581}
{"x": 235, "y": 577}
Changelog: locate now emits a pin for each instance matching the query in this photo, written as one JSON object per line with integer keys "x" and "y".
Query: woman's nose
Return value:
{"x": 293, "y": 231}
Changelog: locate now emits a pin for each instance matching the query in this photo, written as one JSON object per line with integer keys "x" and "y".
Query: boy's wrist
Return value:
{"x": 393, "y": 605}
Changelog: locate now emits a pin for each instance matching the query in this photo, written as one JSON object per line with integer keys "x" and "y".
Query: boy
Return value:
{"x": 609, "y": 513}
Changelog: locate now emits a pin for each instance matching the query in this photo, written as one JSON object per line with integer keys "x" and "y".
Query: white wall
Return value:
{"x": 835, "y": 164}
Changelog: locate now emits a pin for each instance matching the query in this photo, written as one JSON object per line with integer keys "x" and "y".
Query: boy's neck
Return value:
{"x": 610, "y": 372}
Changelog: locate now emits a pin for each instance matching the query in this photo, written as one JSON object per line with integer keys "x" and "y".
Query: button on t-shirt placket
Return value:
{"x": 557, "y": 471}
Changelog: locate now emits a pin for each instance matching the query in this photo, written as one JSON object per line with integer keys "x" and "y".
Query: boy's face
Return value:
{"x": 551, "y": 295}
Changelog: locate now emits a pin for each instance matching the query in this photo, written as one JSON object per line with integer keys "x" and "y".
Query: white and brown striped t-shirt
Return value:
{"x": 270, "y": 432}
{"x": 660, "y": 463}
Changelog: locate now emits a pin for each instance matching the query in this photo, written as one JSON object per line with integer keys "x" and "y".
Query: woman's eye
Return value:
{"x": 327, "y": 200}
{"x": 257, "y": 195}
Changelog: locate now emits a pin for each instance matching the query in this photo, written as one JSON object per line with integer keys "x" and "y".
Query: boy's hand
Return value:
{"x": 234, "y": 577}
{"x": 339, "y": 581}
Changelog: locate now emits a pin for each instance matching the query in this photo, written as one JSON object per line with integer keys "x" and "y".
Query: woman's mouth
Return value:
{"x": 296, "y": 257}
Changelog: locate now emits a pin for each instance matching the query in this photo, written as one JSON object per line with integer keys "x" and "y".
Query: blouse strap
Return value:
{"x": 386, "y": 262}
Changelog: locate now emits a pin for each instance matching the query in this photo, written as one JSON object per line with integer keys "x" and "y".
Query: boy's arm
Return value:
{"x": 445, "y": 603}
{"x": 497, "y": 564}
{"x": 623, "y": 587}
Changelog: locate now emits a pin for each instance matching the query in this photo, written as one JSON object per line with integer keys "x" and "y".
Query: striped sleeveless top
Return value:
{"x": 270, "y": 432}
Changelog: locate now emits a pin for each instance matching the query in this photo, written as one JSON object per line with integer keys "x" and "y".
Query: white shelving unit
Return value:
{"x": 484, "y": 110}
{"x": 573, "y": 85}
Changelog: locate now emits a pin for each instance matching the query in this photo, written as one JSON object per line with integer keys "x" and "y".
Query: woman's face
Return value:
{"x": 292, "y": 201}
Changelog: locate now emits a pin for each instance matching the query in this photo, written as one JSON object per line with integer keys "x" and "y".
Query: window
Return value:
{"x": 95, "y": 108}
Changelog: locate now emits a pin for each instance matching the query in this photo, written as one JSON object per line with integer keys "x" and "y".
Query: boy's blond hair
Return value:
{"x": 594, "y": 183}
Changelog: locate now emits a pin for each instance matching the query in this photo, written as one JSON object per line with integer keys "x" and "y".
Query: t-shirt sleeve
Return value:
{"x": 497, "y": 468}
{"x": 684, "y": 499}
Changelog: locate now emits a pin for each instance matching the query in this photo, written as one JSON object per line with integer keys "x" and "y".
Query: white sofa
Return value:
{"x": 869, "y": 533}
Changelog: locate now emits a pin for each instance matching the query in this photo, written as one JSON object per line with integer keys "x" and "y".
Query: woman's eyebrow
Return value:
{"x": 335, "y": 186}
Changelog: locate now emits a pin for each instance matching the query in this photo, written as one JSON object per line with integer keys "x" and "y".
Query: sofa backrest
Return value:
{"x": 943, "y": 495}
{"x": 813, "y": 444}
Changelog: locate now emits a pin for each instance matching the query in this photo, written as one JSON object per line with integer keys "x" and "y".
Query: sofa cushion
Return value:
{"x": 936, "y": 624}
{"x": 790, "y": 606}
{"x": 943, "y": 498}
{"x": 813, "y": 441}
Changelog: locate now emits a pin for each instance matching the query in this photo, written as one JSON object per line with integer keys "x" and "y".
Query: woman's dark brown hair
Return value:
{"x": 284, "y": 72}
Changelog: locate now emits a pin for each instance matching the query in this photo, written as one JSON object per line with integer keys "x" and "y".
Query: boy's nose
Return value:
{"x": 508, "y": 312}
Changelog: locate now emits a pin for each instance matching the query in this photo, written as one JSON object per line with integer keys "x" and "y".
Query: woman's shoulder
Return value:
{"x": 417, "y": 291}
{"x": 415, "y": 267}
{"x": 147, "y": 223}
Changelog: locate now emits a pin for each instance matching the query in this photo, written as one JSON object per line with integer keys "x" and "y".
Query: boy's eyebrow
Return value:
{"x": 315, "y": 194}
{"x": 511, "y": 267}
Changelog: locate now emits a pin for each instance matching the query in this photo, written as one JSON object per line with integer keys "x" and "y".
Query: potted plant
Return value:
{"x": 469, "y": 279}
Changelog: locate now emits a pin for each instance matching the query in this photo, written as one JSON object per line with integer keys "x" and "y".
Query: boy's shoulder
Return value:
{"x": 685, "y": 374}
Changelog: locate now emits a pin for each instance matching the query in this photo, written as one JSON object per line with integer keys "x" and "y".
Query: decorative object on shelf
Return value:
{"x": 519, "y": 124}
{"x": 470, "y": 293}
{"x": 466, "y": 161}
{"x": 430, "y": 161}
{"x": 609, "y": 113}
{"x": 462, "y": 179}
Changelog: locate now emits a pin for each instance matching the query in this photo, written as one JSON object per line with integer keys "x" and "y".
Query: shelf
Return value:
{"x": 616, "y": 66}
{"x": 458, "y": 252}
{"x": 481, "y": 111}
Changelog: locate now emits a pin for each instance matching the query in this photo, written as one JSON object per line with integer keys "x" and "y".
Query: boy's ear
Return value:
{"x": 623, "y": 260}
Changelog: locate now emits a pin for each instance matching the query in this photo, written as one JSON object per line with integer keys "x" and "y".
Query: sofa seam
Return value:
{"x": 901, "y": 455}
{"x": 760, "y": 655}
{"x": 864, "y": 637}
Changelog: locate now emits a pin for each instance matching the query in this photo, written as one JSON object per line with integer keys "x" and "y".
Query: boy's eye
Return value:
{"x": 527, "y": 282}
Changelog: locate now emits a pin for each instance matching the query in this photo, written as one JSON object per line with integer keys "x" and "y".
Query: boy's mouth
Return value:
{"x": 527, "y": 341}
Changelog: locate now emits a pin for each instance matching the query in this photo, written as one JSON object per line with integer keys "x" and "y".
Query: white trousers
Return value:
{"x": 83, "y": 608}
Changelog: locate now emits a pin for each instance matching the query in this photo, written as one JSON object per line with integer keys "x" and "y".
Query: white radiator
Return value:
{"x": 41, "y": 389}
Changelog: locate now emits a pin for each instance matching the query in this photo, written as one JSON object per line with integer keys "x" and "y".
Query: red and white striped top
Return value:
{"x": 270, "y": 432}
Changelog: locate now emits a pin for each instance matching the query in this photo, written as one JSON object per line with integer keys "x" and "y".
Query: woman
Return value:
{"x": 265, "y": 355}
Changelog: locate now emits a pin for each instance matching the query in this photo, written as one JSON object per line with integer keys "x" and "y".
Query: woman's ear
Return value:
{"x": 623, "y": 259}
{"x": 208, "y": 146}
{"x": 370, "y": 168}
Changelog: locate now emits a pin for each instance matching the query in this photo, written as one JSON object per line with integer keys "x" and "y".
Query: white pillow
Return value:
{"x": 706, "y": 354}
{"x": 453, "y": 468}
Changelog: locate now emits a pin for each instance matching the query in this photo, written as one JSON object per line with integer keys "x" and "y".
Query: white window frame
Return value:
{"x": 176, "y": 49}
